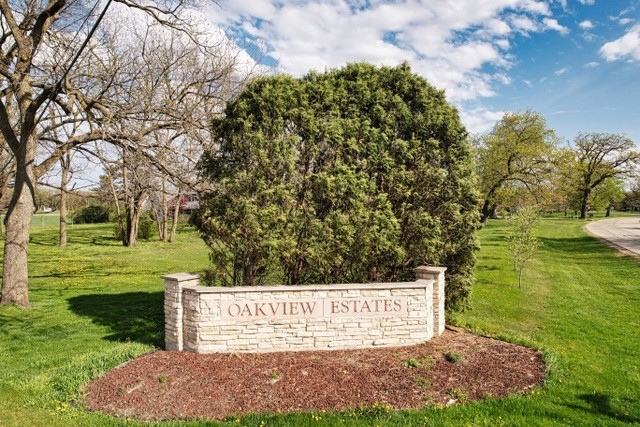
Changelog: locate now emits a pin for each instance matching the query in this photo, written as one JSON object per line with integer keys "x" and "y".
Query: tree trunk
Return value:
{"x": 485, "y": 213}
{"x": 520, "y": 276}
{"x": 116, "y": 202}
{"x": 584, "y": 206}
{"x": 133, "y": 211}
{"x": 608, "y": 213}
{"x": 176, "y": 216}
{"x": 492, "y": 212}
{"x": 65, "y": 163}
{"x": 17, "y": 224}
{"x": 164, "y": 215}
{"x": 127, "y": 204}
{"x": 133, "y": 217}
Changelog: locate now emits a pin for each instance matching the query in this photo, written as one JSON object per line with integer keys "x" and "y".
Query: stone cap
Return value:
{"x": 180, "y": 277}
{"x": 427, "y": 269}
{"x": 422, "y": 283}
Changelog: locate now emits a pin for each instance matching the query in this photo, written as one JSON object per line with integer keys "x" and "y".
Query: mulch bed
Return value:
{"x": 168, "y": 385}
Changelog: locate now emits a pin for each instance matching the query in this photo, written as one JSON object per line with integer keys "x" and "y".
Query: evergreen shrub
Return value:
{"x": 357, "y": 174}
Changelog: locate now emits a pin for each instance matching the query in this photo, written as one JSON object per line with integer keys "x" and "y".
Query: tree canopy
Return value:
{"x": 516, "y": 153}
{"x": 596, "y": 158}
{"x": 358, "y": 174}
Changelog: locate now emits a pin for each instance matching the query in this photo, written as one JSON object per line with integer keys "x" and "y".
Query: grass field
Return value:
{"x": 98, "y": 304}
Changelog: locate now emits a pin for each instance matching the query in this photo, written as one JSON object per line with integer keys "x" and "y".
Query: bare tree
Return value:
{"x": 522, "y": 239}
{"x": 34, "y": 40}
{"x": 183, "y": 87}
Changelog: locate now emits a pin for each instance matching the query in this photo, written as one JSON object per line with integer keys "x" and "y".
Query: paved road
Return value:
{"x": 623, "y": 232}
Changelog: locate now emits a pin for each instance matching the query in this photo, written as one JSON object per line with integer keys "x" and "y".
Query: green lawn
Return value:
{"x": 98, "y": 304}
{"x": 46, "y": 220}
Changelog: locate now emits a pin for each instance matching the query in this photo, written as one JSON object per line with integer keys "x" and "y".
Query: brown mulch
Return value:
{"x": 165, "y": 385}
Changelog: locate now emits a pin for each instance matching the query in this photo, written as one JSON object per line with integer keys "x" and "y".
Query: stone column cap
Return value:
{"x": 428, "y": 269}
{"x": 180, "y": 277}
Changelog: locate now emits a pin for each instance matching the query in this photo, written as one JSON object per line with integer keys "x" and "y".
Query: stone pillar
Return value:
{"x": 173, "y": 310}
{"x": 437, "y": 274}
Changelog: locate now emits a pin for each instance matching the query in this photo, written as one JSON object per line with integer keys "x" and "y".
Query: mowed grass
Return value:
{"x": 98, "y": 304}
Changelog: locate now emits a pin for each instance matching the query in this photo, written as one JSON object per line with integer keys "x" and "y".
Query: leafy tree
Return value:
{"x": 355, "y": 175}
{"x": 631, "y": 201}
{"x": 596, "y": 157}
{"x": 522, "y": 239}
{"x": 516, "y": 153}
{"x": 608, "y": 195}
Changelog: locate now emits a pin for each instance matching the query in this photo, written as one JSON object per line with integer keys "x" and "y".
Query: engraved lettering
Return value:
{"x": 366, "y": 307}
{"x": 236, "y": 309}
{"x": 259, "y": 309}
{"x": 293, "y": 308}
{"x": 345, "y": 307}
{"x": 314, "y": 307}
{"x": 274, "y": 309}
{"x": 334, "y": 307}
{"x": 246, "y": 310}
{"x": 308, "y": 307}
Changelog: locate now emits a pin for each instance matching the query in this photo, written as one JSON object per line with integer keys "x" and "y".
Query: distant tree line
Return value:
{"x": 522, "y": 162}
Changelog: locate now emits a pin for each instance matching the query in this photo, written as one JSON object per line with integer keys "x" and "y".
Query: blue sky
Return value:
{"x": 575, "y": 61}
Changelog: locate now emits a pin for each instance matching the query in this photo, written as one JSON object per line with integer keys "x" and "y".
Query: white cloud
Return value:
{"x": 625, "y": 21}
{"x": 561, "y": 71}
{"x": 461, "y": 46}
{"x": 536, "y": 7}
{"x": 524, "y": 24}
{"x": 480, "y": 119}
{"x": 553, "y": 24}
{"x": 496, "y": 27}
{"x": 503, "y": 44}
{"x": 586, "y": 25}
{"x": 626, "y": 47}
{"x": 591, "y": 64}
{"x": 588, "y": 2}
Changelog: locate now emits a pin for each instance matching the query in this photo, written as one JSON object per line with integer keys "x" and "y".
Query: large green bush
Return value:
{"x": 146, "y": 227}
{"x": 359, "y": 174}
{"x": 94, "y": 214}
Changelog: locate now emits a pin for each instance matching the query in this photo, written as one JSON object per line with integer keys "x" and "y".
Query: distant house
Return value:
{"x": 187, "y": 203}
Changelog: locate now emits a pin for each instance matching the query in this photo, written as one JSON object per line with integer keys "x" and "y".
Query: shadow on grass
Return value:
{"x": 486, "y": 268}
{"x": 88, "y": 272}
{"x": 132, "y": 316}
{"x": 584, "y": 245}
{"x": 600, "y": 404}
{"x": 43, "y": 239}
{"x": 83, "y": 235}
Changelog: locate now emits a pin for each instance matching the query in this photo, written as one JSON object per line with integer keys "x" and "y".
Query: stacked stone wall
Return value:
{"x": 315, "y": 317}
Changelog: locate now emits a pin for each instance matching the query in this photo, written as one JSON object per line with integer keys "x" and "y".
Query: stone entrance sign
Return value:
{"x": 276, "y": 318}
